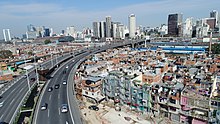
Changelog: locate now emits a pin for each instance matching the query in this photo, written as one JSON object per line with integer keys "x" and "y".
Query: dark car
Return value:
{"x": 25, "y": 76}
{"x": 50, "y": 89}
{"x": 93, "y": 107}
{"x": 0, "y": 97}
{"x": 3, "y": 123}
{"x": 57, "y": 86}
{"x": 33, "y": 79}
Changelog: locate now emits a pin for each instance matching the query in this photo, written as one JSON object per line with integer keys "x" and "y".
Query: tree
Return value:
{"x": 216, "y": 48}
{"x": 4, "y": 54}
{"x": 30, "y": 53}
{"x": 47, "y": 41}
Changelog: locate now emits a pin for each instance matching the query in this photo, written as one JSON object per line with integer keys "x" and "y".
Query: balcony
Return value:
{"x": 174, "y": 105}
{"x": 162, "y": 100}
{"x": 199, "y": 115}
{"x": 163, "y": 109}
{"x": 174, "y": 111}
{"x": 184, "y": 113}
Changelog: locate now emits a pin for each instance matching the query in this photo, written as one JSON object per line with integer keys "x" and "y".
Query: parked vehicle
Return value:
{"x": 94, "y": 107}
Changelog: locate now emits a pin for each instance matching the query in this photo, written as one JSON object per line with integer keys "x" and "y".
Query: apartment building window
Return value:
{"x": 173, "y": 101}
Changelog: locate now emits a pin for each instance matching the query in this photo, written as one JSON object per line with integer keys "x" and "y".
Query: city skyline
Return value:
{"x": 17, "y": 15}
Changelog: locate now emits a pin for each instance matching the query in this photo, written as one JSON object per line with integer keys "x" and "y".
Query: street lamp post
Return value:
{"x": 51, "y": 59}
{"x": 56, "y": 59}
{"x": 29, "y": 87}
{"x": 37, "y": 76}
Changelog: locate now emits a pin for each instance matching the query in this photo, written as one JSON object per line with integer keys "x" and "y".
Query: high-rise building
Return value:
{"x": 163, "y": 30}
{"x": 31, "y": 28}
{"x": 70, "y": 31}
{"x": 188, "y": 27}
{"x": 46, "y": 32}
{"x": 102, "y": 29}
{"x": 96, "y": 29}
{"x": 132, "y": 25}
{"x": 114, "y": 29}
{"x": 175, "y": 27}
{"x": 108, "y": 26}
{"x": 211, "y": 22}
{"x": 120, "y": 31}
{"x": 33, "y": 32}
{"x": 214, "y": 14}
{"x": 51, "y": 32}
{"x": 202, "y": 28}
{"x": 6, "y": 34}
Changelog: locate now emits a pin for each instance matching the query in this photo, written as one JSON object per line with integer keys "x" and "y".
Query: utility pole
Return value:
{"x": 29, "y": 87}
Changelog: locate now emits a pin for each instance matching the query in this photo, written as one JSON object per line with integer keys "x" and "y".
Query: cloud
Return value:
{"x": 18, "y": 16}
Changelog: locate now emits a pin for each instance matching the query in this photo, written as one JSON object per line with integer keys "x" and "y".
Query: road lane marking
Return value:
{"x": 21, "y": 90}
{"x": 50, "y": 97}
{"x": 1, "y": 117}
{"x": 59, "y": 110}
{"x": 58, "y": 96}
{"x": 48, "y": 114}
{"x": 13, "y": 90}
{"x": 12, "y": 101}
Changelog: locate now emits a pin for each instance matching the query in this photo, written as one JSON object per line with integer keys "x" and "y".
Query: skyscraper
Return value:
{"x": 31, "y": 28}
{"x": 175, "y": 27}
{"x": 46, "y": 32}
{"x": 6, "y": 34}
{"x": 70, "y": 31}
{"x": 120, "y": 31}
{"x": 102, "y": 29}
{"x": 32, "y": 32}
{"x": 108, "y": 26}
{"x": 187, "y": 28}
{"x": 214, "y": 14}
{"x": 132, "y": 25}
{"x": 114, "y": 29}
{"x": 96, "y": 29}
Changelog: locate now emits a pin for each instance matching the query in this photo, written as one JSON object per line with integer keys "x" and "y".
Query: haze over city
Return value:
{"x": 16, "y": 15}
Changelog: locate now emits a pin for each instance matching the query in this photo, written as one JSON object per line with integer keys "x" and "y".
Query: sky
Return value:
{"x": 59, "y": 14}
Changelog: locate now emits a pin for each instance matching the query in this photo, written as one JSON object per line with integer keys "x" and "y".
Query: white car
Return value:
{"x": 1, "y": 104}
{"x": 64, "y": 82}
{"x": 67, "y": 66}
{"x": 44, "y": 106}
{"x": 64, "y": 108}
